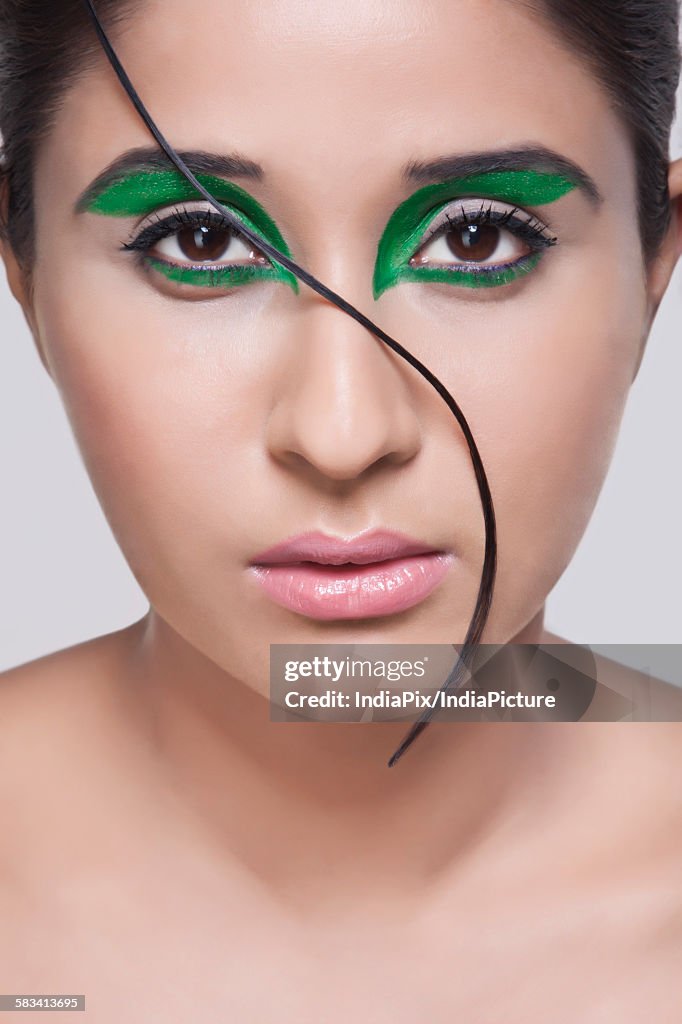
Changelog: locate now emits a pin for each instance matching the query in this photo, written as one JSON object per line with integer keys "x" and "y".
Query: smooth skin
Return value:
{"x": 172, "y": 853}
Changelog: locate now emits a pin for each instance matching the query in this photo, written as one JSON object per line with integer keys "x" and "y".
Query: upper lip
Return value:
{"x": 315, "y": 546}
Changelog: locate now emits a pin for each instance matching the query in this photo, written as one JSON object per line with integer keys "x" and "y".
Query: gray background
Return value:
{"x": 64, "y": 580}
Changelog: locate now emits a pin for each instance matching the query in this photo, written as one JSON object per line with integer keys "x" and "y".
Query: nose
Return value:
{"x": 343, "y": 404}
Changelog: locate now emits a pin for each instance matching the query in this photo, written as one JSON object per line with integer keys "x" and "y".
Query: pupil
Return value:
{"x": 473, "y": 242}
{"x": 203, "y": 243}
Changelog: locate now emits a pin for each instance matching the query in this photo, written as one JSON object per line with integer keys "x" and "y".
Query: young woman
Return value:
{"x": 489, "y": 182}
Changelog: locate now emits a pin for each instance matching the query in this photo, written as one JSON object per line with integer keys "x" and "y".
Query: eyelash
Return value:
{"x": 527, "y": 227}
{"x": 181, "y": 219}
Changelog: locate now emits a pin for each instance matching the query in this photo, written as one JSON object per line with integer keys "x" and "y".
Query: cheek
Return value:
{"x": 167, "y": 404}
{"x": 161, "y": 403}
{"x": 542, "y": 374}
{"x": 552, "y": 422}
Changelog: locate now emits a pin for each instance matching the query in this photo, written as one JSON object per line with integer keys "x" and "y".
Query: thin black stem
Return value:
{"x": 487, "y": 583}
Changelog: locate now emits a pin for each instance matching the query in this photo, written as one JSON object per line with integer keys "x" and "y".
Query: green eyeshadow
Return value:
{"x": 211, "y": 277}
{"x": 140, "y": 193}
{"x": 407, "y": 224}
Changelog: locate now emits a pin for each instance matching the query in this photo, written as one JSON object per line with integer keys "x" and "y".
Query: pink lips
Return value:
{"x": 380, "y": 572}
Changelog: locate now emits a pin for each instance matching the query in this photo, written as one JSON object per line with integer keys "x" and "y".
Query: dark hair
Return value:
{"x": 631, "y": 46}
{"x": 581, "y": 35}
{"x": 43, "y": 49}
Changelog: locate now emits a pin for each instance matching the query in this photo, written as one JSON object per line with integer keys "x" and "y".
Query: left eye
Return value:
{"x": 472, "y": 243}
{"x": 471, "y": 234}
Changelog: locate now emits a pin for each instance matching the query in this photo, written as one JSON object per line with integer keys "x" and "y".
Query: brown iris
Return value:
{"x": 474, "y": 242}
{"x": 204, "y": 243}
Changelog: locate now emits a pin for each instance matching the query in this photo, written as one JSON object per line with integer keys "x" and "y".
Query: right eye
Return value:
{"x": 197, "y": 246}
{"x": 206, "y": 243}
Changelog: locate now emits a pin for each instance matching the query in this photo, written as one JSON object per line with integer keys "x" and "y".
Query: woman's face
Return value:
{"x": 222, "y": 411}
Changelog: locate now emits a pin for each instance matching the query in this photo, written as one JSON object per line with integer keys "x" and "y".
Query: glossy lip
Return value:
{"x": 377, "y": 573}
{"x": 371, "y": 546}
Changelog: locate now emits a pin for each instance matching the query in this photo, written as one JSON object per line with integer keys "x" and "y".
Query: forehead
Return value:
{"x": 334, "y": 98}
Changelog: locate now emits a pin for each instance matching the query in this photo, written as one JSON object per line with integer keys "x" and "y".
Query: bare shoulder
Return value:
{"x": 50, "y": 706}
{"x": 637, "y": 694}
{"x": 66, "y": 671}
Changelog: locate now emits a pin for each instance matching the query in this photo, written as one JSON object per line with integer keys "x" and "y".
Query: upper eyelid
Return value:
{"x": 522, "y": 188}
{"x": 165, "y": 214}
{"x": 143, "y": 193}
{"x": 439, "y": 219}
{"x": 167, "y": 211}
{"x": 436, "y": 221}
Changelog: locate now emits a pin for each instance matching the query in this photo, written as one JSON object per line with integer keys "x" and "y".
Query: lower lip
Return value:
{"x": 353, "y": 591}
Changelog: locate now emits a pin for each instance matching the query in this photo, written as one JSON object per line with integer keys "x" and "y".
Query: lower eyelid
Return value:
{"x": 462, "y": 275}
{"x": 227, "y": 276}
{"x": 246, "y": 271}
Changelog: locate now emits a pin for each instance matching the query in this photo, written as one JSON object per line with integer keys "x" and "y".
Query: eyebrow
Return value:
{"x": 153, "y": 159}
{"x": 522, "y": 158}
{"x": 464, "y": 165}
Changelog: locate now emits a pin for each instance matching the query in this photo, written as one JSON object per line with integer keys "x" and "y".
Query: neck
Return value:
{"x": 283, "y": 797}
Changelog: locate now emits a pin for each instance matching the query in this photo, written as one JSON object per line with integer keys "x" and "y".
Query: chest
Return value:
{"x": 182, "y": 959}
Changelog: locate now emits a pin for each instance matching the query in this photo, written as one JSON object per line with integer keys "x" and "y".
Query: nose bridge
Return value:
{"x": 348, "y": 405}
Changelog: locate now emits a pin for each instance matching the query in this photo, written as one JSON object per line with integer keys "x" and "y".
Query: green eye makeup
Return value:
{"x": 142, "y": 192}
{"x": 407, "y": 228}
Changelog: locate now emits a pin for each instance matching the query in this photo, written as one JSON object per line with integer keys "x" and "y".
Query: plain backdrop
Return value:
{"x": 64, "y": 580}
